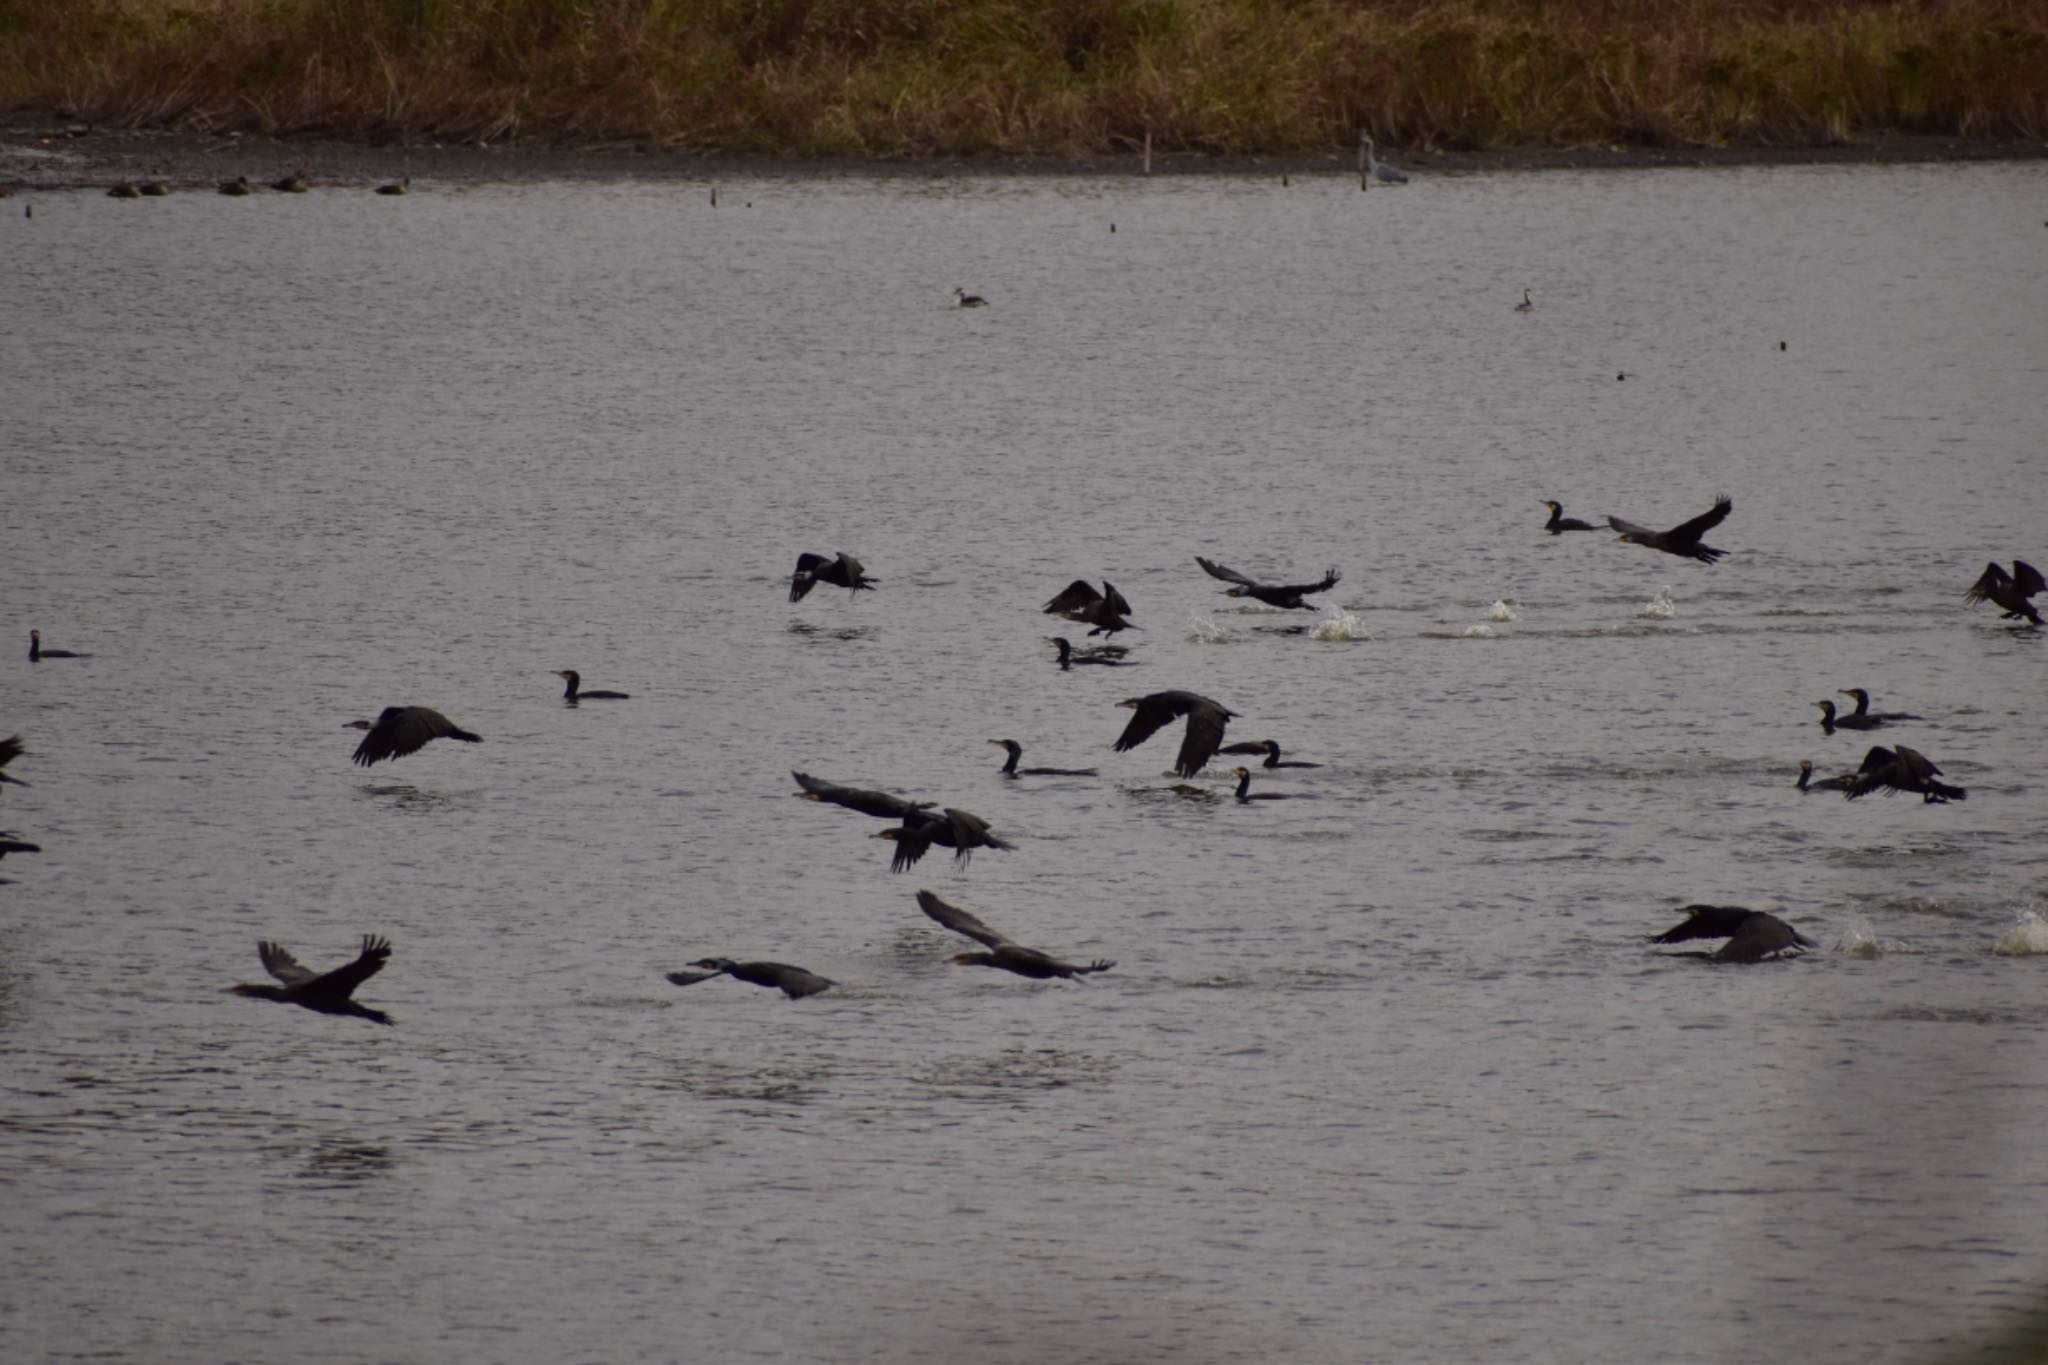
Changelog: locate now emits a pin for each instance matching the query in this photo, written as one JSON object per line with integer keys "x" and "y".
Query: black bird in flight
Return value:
{"x": 1272, "y": 594}
{"x": 794, "y": 982}
{"x": 2009, "y": 591}
{"x": 1106, "y": 611}
{"x": 845, "y": 572}
{"x": 881, "y": 805}
{"x": 1206, "y": 720}
{"x": 962, "y": 831}
{"x": 11, "y": 748}
{"x": 1005, "y": 954}
{"x": 1683, "y": 539}
{"x": 328, "y": 993}
{"x": 1902, "y": 770}
{"x": 1752, "y": 935}
{"x": 401, "y": 730}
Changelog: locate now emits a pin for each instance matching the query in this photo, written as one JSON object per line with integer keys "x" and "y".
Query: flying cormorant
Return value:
{"x": 1206, "y": 720}
{"x": 1016, "y": 751}
{"x": 1683, "y": 539}
{"x": 1752, "y": 935}
{"x": 401, "y": 730}
{"x": 1560, "y": 522}
{"x": 1863, "y": 710}
{"x": 328, "y": 993}
{"x": 811, "y": 570}
{"x": 1272, "y": 594}
{"x": 36, "y": 652}
{"x": 1105, "y": 611}
{"x": 962, "y": 831}
{"x": 794, "y": 982}
{"x": 2009, "y": 591}
{"x": 1006, "y": 954}
{"x": 1902, "y": 770}
{"x": 881, "y": 805}
{"x": 576, "y": 692}
{"x": 1839, "y": 783}
{"x": 11, "y": 748}
{"x": 1271, "y": 749}
{"x": 1109, "y": 656}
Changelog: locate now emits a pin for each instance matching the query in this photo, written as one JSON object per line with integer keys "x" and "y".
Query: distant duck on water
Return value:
{"x": 968, "y": 300}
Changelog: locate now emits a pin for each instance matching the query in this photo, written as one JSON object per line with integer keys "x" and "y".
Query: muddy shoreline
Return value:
{"x": 47, "y": 152}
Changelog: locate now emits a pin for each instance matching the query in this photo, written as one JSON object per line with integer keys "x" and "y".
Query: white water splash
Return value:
{"x": 1501, "y": 611}
{"x": 1478, "y": 632}
{"x": 1203, "y": 631}
{"x": 1660, "y": 607}
{"x": 2024, "y": 939}
{"x": 1338, "y": 625}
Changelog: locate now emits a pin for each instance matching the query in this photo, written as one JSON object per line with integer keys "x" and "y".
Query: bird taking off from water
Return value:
{"x": 1287, "y": 596}
{"x": 1752, "y": 935}
{"x": 1106, "y": 611}
{"x": 2009, "y": 591}
{"x": 811, "y": 570}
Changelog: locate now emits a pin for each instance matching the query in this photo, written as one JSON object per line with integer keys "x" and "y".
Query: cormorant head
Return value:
{"x": 975, "y": 960}
{"x": 1827, "y": 708}
{"x": 1627, "y": 538}
{"x": 1241, "y": 774}
{"x": 1805, "y": 765}
{"x": 1010, "y": 744}
{"x": 356, "y": 725}
{"x": 890, "y": 834}
{"x": 1858, "y": 693}
{"x": 35, "y": 637}
{"x": 1234, "y": 592}
{"x": 569, "y": 673}
{"x": 1133, "y": 702}
{"x": 714, "y": 964}
{"x": 1553, "y": 506}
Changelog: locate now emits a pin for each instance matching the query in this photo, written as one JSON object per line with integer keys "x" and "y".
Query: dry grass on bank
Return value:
{"x": 1047, "y": 77}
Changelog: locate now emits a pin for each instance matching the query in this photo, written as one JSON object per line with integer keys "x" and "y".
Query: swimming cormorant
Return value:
{"x": 576, "y": 692}
{"x": 1105, "y": 611}
{"x": 295, "y": 183}
{"x": 1245, "y": 792}
{"x": 881, "y": 805}
{"x": 1839, "y": 783}
{"x": 968, "y": 300}
{"x": 1109, "y": 656}
{"x": 1528, "y": 305}
{"x": 153, "y": 189}
{"x": 36, "y": 652}
{"x": 1006, "y": 954}
{"x": 328, "y": 993}
{"x": 11, "y": 748}
{"x": 1752, "y": 935}
{"x": 2009, "y": 591}
{"x": 401, "y": 730}
{"x": 1560, "y": 522}
{"x": 1863, "y": 709}
{"x": 238, "y": 186}
{"x": 1016, "y": 751}
{"x": 1830, "y": 722}
{"x": 1271, "y": 749}
{"x": 1902, "y": 770}
{"x": 1683, "y": 539}
{"x": 1206, "y": 720}
{"x": 1272, "y": 594}
{"x": 402, "y": 185}
{"x": 845, "y": 572}
{"x": 962, "y": 831}
{"x": 794, "y": 982}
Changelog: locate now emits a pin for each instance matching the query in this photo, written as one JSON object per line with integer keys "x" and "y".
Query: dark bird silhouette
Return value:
{"x": 11, "y": 748}
{"x": 1830, "y": 722}
{"x": 1286, "y": 595}
{"x": 1271, "y": 749}
{"x": 1528, "y": 305}
{"x": 1206, "y": 720}
{"x": 1752, "y": 935}
{"x": 124, "y": 190}
{"x": 1863, "y": 710}
{"x": 1105, "y": 611}
{"x": 1683, "y": 539}
{"x": 238, "y": 186}
{"x": 153, "y": 189}
{"x": 401, "y": 730}
{"x": 881, "y": 805}
{"x": 10, "y": 842}
{"x": 403, "y": 185}
{"x": 36, "y": 652}
{"x": 1016, "y": 751}
{"x": 794, "y": 982}
{"x": 575, "y": 690}
{"x": 295, "y": 183}
{"x": 1560, "y": 522}
{"x": 328, "y": 993}
{"x": 845, "y": 572}
{"x": 968, "y": 300}
{"x": 2009, "y": 591}
{"x": 1004, "y": 953}
{"x": 962, "y": 831}
{"x": 1839, "y": 783}
{"x": 1245, "y": 792}
{"x": 1902, "y": 770}
{"x": 1109, "y": 656}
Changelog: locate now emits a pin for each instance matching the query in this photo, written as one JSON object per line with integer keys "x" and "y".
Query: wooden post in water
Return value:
{"x": 1148, "y": 151}
{"x": 1364, "y": 168}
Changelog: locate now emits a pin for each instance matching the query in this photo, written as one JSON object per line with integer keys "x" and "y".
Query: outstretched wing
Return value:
{"x": 1990, "y": 581}
{"x": 881, "y": 805}
{"x": 341, "y": 983}
{"x": 1758, "y": 936}
{"x": 1152, "y": 714}
{"x": 1629, "y": 528}
{"x": 1205, "y": 734}
{"x": 1297, "y": 589}
{"x": 281, "y": 964}
{"x": 402, "y": 730}
{"x": 2027, "y": 578}
{"x": 959, "y": 921}
{"x": 1116, "y": 601}
{"x": 806, "y": 576}
{"x": 1706, "y": 921}
{"x": 1228, "y": 575}
{"x": 1075, "y": 596}
{"x": 10, "y": 749}
{"x": 690, "y": 978}
{"x": 1704, "y": 522}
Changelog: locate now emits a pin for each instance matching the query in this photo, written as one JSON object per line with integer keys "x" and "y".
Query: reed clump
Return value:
{"x": 1041, "y": 77}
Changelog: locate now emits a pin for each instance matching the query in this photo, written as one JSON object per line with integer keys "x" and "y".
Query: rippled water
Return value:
{"x": 1385, "y": 1075}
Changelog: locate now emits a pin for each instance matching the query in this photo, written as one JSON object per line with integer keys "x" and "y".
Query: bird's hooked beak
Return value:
{"x": 1131, "y": 702}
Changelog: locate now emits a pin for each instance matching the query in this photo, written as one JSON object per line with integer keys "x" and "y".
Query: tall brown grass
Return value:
{"x": 1046, "y": 77}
